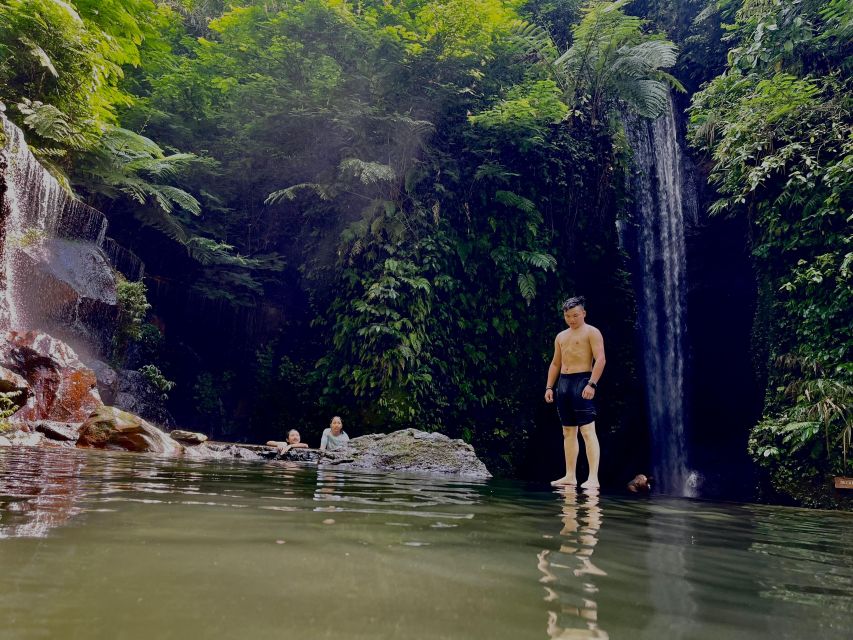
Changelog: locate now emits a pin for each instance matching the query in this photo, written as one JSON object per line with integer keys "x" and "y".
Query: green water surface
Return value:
{"x": 122, "y": 546}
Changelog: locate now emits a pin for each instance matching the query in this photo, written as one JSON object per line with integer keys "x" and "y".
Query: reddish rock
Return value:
{"x": 61, "y": 388}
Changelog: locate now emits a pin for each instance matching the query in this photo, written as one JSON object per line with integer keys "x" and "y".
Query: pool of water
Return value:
{"x": 109, "y": 545}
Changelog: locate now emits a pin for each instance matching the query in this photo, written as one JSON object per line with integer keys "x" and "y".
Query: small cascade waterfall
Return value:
{"x": 56, "y": 263}
{"x": 663, "y": 200}
{"x": 123, "y": 260}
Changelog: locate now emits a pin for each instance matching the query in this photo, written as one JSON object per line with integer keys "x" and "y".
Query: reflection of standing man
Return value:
{"x": 575, "y": 351}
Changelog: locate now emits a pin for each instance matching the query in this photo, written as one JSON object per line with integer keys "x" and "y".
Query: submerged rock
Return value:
{"x": 60, "y": 387}
{"x": 113, "y": 428}
{"x": 412, "y": 450}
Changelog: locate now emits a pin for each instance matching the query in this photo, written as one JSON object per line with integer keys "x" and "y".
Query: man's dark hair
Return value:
{"x": 577, "y": 301}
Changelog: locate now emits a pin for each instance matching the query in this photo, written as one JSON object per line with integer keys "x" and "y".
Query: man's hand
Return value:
{"x": 588, "y": 393}
{"x": 549, "y": 395}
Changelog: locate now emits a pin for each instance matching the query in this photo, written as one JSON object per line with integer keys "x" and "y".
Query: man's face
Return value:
{"x": 293, "y": 437}
{"x": 574, "y": 317}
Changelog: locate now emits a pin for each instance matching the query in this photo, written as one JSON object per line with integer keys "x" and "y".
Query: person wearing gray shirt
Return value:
{"x": 334, "y": 438}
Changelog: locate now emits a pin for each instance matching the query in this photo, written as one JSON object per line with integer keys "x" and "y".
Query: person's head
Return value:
{"x": 336, "y": 425}
{"x": 640, "y": 484}
{"x": 574, "y": 311}
{"x": 293, "y": 437}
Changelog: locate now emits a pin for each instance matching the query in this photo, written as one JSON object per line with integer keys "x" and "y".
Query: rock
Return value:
{"x": 76, "y": 285}
{"x": 299, "y": 455}
{"x": 137, "y": 395}
{"x": 113, "y": 428}
{"x": 61, "y": 387}
{"x": 242, "y": 453}
{"x": 220, "y": 451}
{"x": 107, "y": 380}
{"x": 188, "y": 437}
{"x": 59, "y": 430}
{"x": 19, "y": 438}
{"x": 11, "y": 382}
{"x": 413, "y": 450}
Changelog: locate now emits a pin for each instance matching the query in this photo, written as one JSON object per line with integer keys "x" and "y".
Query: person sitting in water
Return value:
{"x": 334, "y": 438}
{"x": 294, "y": 441}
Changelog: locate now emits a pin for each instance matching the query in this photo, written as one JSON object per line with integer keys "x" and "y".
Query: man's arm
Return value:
{"x": 596, "y": 343}
{"x": 553, "y": 371}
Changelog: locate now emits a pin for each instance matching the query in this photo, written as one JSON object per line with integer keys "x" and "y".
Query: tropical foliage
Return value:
{"x": 376, "y": 207}
{"x": 778, "y": 129}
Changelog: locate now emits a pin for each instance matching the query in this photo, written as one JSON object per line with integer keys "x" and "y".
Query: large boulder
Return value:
{"x": 111, "y": 428}
{"x": 59, "y": 386}
{"x": 137, "y": 395}
{"x": 412, "y": 450}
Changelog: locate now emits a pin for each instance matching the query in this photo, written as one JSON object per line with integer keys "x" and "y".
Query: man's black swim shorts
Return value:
{"x": 574, "y": 409}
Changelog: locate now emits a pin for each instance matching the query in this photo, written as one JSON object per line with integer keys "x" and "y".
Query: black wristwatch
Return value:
{"x": 592, "y": 384}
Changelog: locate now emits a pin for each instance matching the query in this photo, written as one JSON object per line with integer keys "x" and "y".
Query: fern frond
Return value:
{"x": 494, "y": 171}
{"x": 527, "y": 286}
{"x": 516, "y": 201}
{"x": 323, "y": 191}
{"x": 167, "y": 224}
{"x": 367, "y": 172}
{"x": 539, "y": 260}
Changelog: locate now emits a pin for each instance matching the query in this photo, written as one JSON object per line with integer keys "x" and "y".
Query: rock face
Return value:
{"x": 137, "y": 395}
{"x": 11, "y": 382}
{"x": 107, "y": 380}
{"x": 58, "y": 386}
{"x": 72, "y": 287}
{"x": 414, "y": 450}
{"x": 111, "y": 428}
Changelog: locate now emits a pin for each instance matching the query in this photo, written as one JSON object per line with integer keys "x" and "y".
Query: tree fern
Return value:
{"x": 611, "y": 60}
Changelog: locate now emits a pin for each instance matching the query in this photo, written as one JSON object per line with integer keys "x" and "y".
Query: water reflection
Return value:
{"x": 38, "y": 492}
{"x": 568, "y": 574}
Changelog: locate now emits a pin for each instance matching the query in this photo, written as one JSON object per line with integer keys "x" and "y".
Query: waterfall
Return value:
{"x": 56, "y": 263}
{"x": 33, "y": 202}
{"x": 123, "y": 259}
{"x": 659, "y": 185}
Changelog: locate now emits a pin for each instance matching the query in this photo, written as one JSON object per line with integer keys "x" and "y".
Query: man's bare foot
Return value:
{"x": 592, "y": 483}
{"x": 565, "y": 481}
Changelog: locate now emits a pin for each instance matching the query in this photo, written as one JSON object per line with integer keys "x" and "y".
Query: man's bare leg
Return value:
{"x": 570, "y": 449}
{"x": 593, "y": 454}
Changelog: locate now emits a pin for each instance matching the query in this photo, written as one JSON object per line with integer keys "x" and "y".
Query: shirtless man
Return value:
{"x": 575, "y": 351}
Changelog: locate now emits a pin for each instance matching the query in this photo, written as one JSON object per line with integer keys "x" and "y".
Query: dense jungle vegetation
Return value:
{"x": 375, "y": 208}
